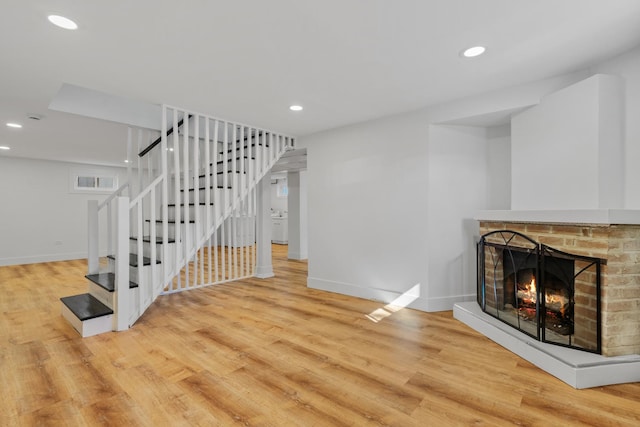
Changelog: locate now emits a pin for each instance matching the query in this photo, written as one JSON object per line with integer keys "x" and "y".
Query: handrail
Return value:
{"x": 113, "y": 195}
{"x": 157, "y": 141}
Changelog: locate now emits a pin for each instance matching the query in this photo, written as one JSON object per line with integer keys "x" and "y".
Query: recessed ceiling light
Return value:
{"x": 296, "y": 108}
{"x": 14, "y": 125}
{"x": 4, "y": 147}
{"x": 62, "y": 22}
{"x": 126, "y": 161}
{"x": 474, "y": 51}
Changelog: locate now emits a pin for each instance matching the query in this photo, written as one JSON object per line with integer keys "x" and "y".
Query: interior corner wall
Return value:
{"x": 42, "y": 220}
{"x": 459, "y": 178}
{"x": 558, "y": 145}
{"x": 367, "y": 211}
{"x": 499, "y": 167}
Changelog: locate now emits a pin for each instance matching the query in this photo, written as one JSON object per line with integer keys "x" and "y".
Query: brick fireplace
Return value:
{"x": 567, "y": 191}
{"x": 619, "y": 246}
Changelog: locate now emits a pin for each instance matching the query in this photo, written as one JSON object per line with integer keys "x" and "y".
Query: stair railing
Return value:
{"x": 192, "y": 210}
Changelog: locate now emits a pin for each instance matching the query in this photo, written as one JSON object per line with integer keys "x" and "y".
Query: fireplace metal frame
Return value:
{"x": 542, "y": 253}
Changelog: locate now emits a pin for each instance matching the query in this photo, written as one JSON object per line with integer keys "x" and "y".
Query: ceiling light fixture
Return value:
{"x": 14, "y": 125}
{"x": 4, "y": 147}
{"x": 62, "y": 22}
{"x": 296, "y": 108}
{"x": 472, "y": 52}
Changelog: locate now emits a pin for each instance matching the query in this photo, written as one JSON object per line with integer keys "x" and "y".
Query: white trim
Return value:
{"x": 574, "y": 216}
{"x": 36, "y": 259}
{"x": 75, "y": 173}
{"x": 432, "y": 304}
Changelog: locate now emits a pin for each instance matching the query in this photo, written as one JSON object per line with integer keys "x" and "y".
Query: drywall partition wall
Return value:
{"x": 458, "y": 188}
{"x": 627, "y": 66}
{"x": 41, "y": 219}
{"x": 297, "y": 205}
{"x": 499, "y": 167}
{"x": 367, "y": 209}
{"x": 371, "y": 196}
{"x": 567, "y": 150}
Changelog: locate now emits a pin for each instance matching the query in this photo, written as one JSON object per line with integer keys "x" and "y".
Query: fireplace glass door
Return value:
{"x": 545, "y": 293}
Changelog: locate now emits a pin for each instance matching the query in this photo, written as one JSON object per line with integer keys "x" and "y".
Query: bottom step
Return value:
{"x": 87, "y": 315}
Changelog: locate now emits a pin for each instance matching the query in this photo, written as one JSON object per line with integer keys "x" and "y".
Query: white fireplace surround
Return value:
{"x": 577, "y": 368}
{"x": 568, "y": 216}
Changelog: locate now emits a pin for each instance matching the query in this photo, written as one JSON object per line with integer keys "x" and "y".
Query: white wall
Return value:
{"x": 458, "y": 188}
{"x": 298, "y": 215}
{"x": 499, "y": 167}
{"x": 382, "y": 193}
{"x": 41, "y": 220}
{"x": 367, "y": 208}
{"x": 566, "y": 151}
{"x": 627, "y": 66}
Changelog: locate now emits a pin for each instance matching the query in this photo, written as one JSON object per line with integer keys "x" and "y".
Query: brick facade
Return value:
{"x": 619, "y": 245}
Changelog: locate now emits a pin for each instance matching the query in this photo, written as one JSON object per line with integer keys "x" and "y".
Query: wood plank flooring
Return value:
{"x": 270, "y": 353}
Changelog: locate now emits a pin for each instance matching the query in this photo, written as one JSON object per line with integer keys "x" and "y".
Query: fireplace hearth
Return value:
{"x": 545, "y": 293}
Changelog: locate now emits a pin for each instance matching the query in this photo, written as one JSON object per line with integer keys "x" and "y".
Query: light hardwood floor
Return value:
{"x": 270, "y": 353}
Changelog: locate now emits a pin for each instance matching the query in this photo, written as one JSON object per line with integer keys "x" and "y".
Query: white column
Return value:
{"x": 297, "y": 212}
{"x": 264, "y": 268}
{"x": 122, "y": 307}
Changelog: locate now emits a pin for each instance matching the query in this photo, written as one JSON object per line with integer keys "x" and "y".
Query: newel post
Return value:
{"x": 93, "y": 247}
{"x": 122, "y": 304}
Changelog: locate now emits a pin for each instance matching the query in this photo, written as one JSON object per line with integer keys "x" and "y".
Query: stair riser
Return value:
{"x": 217, "y": 180}
{"x": 107, "y": 298}
{"x": 88, "y": 328}
{"x": 233, "y": 164}
{"x": 214, "y": 180}
{"x": 161, "y": 253}
{"x": 201, "y": 211}
{"x": 133, "y": 272}
{"x": 101, "y": 294}
{"x": 189, "y": 196}
{"x": 202, "y": 195}
{"x": 171, "y": 230}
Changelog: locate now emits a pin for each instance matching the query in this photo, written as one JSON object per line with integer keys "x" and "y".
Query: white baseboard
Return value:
{"x": 297, "y": 255}
{"x": 264, "y": 272}
{"x": 386, "y": 296}
{"x": 35, "y": 259}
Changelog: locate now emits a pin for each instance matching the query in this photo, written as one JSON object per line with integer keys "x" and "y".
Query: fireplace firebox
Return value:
{"x": 545, "y": 293}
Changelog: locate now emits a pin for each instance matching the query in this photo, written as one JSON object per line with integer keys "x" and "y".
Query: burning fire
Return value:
{"x": 529, "y": 295}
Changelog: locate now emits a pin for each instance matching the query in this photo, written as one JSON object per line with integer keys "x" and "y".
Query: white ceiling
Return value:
{"x": 345, "y": 61}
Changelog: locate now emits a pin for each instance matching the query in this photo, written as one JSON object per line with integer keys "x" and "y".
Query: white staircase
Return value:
{"x": 185, "y": 219}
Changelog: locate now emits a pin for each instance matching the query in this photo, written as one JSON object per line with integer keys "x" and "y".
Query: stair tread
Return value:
{"x": 219, "y": 162}
{"x": 107, "y": 281}
{"x": 159, "y": 221}
{"x": 220, "y": 173}
{"x": 133, "y": 260}
{"x": 159, "y": 240}
{"x": 86, "y": 306}
{"x": 205, "y": 188}
{"x": 253, "y": 144}
{"x": 173, "y": 205}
